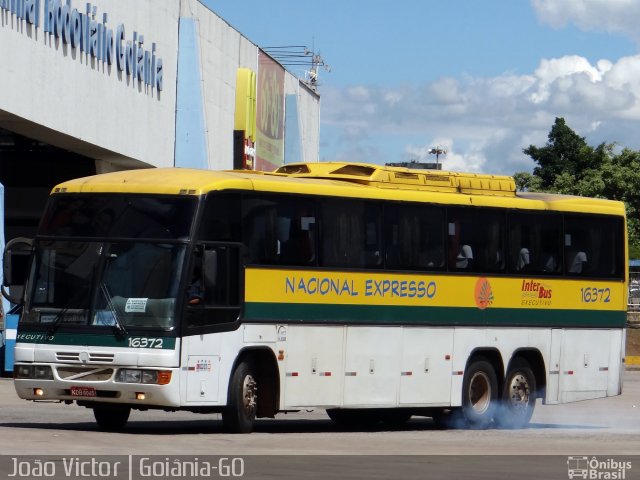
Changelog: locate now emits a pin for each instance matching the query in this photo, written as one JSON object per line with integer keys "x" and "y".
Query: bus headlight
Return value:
{"x": 129, "y": 375}
{"x": 22, "y": 371}
{"x": 39, "y": 372}
{"x": 149, "y": 377}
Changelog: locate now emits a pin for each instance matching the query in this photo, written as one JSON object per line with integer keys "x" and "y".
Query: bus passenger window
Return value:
{"x": 350, "y": 234}
{"x": 476, "y": 240}
{"x": 576, "y": 249}
{"x": 534, "y": 242}
{"x": 414, "y": 237}
{"x": 280, "y": 230}
{"x": 221, "y": 218}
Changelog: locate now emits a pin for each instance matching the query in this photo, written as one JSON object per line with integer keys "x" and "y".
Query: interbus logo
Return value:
{"x": 535, "y": 293}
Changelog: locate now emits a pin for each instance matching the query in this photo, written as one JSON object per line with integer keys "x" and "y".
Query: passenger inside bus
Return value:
{"x": 524, "y": 259}
{"x": 464, "y": 260}
{"x": 577, "y": 262}
{"x": 575, "y": 256}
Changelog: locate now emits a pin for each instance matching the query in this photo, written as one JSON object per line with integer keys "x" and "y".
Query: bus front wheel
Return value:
{"x": 479, "y": 393}
{"x": 240, "y": 413}
{"x": 518, "y": 395}
{"x": 111, "y": 419}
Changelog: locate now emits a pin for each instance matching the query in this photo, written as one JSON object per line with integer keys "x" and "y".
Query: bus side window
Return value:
{"x": 350, "y": 234}
{"x": 279, "y": 230}
{"x": 592, "y": 246}
{"x": 576, "y": 252}
{"x": 297, "y": 222}
{"x": 549, "y": 234}
{"x": 476, "y": 240}
{"x": 413, "y": 237}
{"x": 260, "y": 231}
{"x": 221, "y": 218}
{"x": 534, "y": 242}
{"x": 213, "y": 294}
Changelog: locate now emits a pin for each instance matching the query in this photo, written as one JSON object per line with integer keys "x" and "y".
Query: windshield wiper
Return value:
{"x": 57, "y": 321}
{"x": 60, "y": 316}
{"x": 119, "y": 326}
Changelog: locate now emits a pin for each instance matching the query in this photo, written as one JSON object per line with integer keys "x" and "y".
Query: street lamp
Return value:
{"x": 437, "y": 151}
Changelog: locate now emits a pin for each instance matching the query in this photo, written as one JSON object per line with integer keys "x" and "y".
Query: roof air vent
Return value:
{"x": 355, "y": 170}
{"x": 296, "y": 169}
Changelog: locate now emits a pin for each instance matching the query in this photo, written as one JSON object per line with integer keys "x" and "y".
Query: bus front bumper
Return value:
{"x": 83, "y": 389}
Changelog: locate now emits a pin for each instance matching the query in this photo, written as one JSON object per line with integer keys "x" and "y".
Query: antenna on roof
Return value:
{"x": 300, "y": 55}
{"x": 437, "y": 151}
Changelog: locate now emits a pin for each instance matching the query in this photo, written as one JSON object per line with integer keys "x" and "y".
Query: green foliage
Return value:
{"x": 634, "y": 251}
{"x": 568, "y": 165}
{"x": 526, "y": 182}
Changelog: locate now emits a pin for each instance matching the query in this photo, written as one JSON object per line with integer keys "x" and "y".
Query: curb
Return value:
{"x": 632, "y": 362}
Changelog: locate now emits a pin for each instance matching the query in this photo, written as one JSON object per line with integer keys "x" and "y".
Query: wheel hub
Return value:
{"x": 249, "y": 393}
{"x": 519, "y": 392}
{"x": 480, "y": 392}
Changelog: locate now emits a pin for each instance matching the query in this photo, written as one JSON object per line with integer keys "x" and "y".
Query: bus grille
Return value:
{"x": 85, "y": 374}
{"x": 96, "y": 357}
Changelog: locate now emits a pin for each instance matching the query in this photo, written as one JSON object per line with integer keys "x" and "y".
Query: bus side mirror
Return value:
{"x": 210, "y": 267}
{"x": 15, "y": 264}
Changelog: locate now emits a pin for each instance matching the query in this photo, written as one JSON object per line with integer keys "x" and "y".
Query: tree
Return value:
{"x": 568, "y": 165}
{"x": 565, "y": 153}
{"x": 526, "y": 182}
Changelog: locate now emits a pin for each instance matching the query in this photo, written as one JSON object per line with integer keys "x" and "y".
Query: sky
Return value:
{"x": 483, "y": 79}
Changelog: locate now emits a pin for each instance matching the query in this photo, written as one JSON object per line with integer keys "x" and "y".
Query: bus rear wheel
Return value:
{"x": 479, "y": 393}
{"x": 518, "y": 395}
{"x": 111, "y": 419}
{"x": 240, "y": 414}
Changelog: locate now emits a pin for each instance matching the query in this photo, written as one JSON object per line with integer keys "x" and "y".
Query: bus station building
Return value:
{"x": 107, "y": 85}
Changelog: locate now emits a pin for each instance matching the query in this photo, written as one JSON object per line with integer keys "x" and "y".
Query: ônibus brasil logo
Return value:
{"x": 596, "y": 468}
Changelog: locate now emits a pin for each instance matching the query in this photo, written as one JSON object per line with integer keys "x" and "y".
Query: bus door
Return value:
{"x": 212, "y": 305}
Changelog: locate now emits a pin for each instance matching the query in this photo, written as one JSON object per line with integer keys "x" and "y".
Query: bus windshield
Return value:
{"x": 109, "y": 260}
{"x": 105, "y": 283}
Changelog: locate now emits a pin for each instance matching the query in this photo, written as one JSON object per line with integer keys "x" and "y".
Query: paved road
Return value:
{"x": 598, "y": 427}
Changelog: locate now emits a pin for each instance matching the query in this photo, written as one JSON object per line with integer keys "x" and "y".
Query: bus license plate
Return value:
{"x": 83, "y": 392}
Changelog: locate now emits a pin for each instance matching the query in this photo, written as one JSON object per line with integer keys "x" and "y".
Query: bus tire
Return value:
{"x": 111, "y": 419}
{"x": 240, "y": 414}
{"x": 479, "y": 394}
{"x": 518, "y": 395}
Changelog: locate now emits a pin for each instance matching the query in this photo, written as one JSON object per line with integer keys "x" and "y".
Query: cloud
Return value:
{"x": 485, "y": 122}
{"x": 614, "y": 16}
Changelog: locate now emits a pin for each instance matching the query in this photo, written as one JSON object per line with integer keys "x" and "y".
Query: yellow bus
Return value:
{"x": 373, "y": 292}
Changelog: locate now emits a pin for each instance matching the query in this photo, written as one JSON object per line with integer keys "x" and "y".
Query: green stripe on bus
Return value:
{"x": 97, "y": 340}
{"x": 437, "y": 316}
